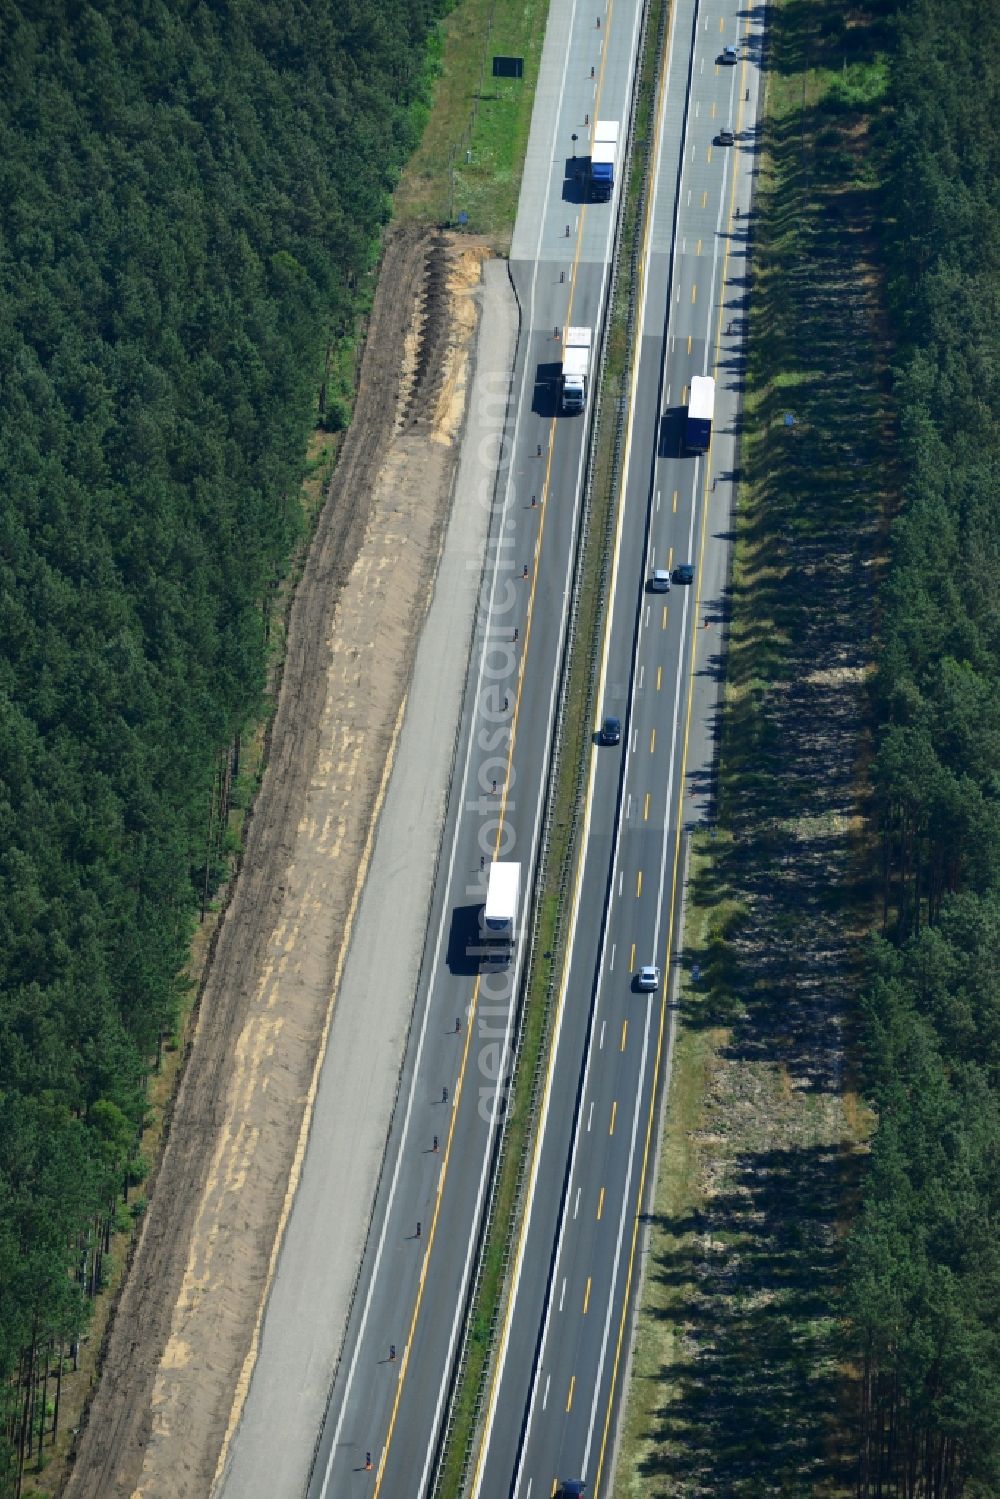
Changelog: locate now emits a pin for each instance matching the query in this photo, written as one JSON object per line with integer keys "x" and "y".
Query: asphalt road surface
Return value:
{"x": 387, "y": 1403}
{"x": 552, "y": 1408}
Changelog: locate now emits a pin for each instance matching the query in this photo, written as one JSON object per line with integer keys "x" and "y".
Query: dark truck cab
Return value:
{"x": 701, "y": 409}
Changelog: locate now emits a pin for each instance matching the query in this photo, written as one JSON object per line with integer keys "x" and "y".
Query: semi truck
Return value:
{"x": 574, "y": 379}
{"x": 701, "y": 408}
{"x": 499, "y": 922}
{"x": 603, "y": 160}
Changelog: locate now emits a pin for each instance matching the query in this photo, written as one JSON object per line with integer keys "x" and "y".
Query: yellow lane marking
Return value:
{"x": 673, "y": 893}
{"x": 638, "y": 885}
{"x": 645, "y": 808}
{"x": 694, "y": 292}
{"x": 614, "y": 1116}
{"x": 460, "y": 1082}
{"x": 586, "y": 1297}
{"x": 631, "y": 960}
{"x": 569, "y": 1397}
{"x": 652, "y": 743}
{"x": 698, "y": 251}
{"x": 666, "y": 616}
{"x": 675, "y": 492}
{"x": 600, "y": 1205}
{"x": 519, "y": 1255}
{"x": 659, "y": 677}
{"x": 710, "y": 153}
{"x": 689, "y": 350}
{"x": 624, "y": 1033}
{"x": 704, "y": 199}
{"x": 425, "y": 1263}
{"x": 670, "y": 560}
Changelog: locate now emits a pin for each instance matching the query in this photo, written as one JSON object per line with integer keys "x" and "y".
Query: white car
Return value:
{"x": 649, "y": 977}
{"x": 660, "y": 581}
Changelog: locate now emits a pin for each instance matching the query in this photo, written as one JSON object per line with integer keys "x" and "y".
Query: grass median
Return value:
{"x": 471, "y": 154}
{"x": 563, "y": 848}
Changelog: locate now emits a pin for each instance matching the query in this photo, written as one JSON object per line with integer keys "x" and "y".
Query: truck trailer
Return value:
{"x": 574, "y": 380}
{"x": 701, "y": 408}
{"x": 603, "y": 160}
{"x": 499, "y": 921}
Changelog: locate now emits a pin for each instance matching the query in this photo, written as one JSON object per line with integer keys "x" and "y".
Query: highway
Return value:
{"x": 552, "y": 1407}
{"x": 386, "y": 1407}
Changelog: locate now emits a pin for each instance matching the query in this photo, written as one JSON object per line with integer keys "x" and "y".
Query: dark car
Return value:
{"x": 684, "y": 573}
{"x": 571, "y": 1490}
{"x": 611, "y": 731}
{"x": 727, "y": 137}
{"x": 729, "y": 55}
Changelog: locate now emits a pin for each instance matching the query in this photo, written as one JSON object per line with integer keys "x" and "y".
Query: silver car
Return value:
{"x": 649, "y": 977}
{"x": 660, "y": 581}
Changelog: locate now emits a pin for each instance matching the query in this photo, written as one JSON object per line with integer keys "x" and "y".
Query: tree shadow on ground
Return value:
{"x": 755, "y": 1403}
{"x": 753, "y": 1398}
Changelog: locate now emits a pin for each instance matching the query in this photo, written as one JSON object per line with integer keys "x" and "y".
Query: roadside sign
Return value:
{"x": 508, "y": 67}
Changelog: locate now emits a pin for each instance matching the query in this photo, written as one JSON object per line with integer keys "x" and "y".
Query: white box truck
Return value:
{"x": 574, "y": 378}
{"x": 701, "y": 409}
{"x": 603, "y": 160}
{"x": 499, "y": 924}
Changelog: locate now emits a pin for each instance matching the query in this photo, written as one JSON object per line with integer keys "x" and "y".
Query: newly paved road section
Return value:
{"x": 387, "y": 1403}
{"x": 552, "y": 1409}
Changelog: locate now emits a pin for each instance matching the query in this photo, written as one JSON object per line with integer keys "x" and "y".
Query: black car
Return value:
{"x": 726, "y": 137}
{"x": 611, "y": 731}
{"x": 730, "y": 55}
{"x": 684, "y": 573}
{"x": 571, "y": 1490}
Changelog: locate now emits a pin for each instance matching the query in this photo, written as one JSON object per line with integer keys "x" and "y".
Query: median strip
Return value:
{"x": 560, "y": 847}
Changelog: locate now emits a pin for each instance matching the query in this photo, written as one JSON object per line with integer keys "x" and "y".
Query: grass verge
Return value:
{"x": 471, "y": 153}
{"x": 737, "y": 1383}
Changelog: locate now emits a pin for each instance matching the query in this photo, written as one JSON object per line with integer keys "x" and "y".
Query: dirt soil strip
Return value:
{"x": 189, "y": 1311}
